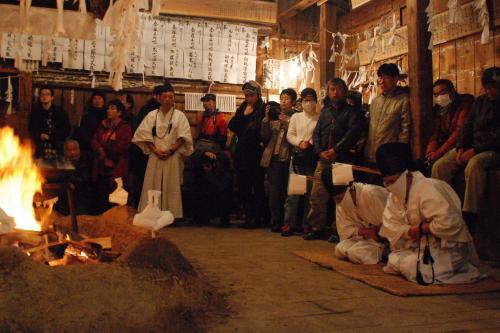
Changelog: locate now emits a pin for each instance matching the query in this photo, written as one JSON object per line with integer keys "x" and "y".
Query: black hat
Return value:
{"x": 326, "y": 178}
{"x": 208, "y": 97}
{"x": 393, "y": 158}
{"x": 491, "y": 76}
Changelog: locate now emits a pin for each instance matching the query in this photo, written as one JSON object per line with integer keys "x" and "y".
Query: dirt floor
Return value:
{"x": 271, "y": 290}
{"x": 150, "y": 288}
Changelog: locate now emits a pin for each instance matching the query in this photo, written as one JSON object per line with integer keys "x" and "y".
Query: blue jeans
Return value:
{"x": 294, "y": 216}
{"x": 277, "y": 181}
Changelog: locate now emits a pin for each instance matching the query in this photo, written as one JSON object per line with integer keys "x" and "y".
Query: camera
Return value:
{"x": 274, "y": 110}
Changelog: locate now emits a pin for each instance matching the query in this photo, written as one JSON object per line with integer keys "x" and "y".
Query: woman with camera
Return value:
{"x": 276, "y": 156}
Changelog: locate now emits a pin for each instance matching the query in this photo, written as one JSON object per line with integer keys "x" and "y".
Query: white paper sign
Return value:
{"x": 342, "y": 174}
{"x": 9, "y": 45}
{"x": 174, "y": 42}
{"x": 230, "y": 42}
{"x": 93, "y": 59}
{"x": 193, "y": 52}
{"x": 56, "y": 47}
{"x": 154, "y": 37}
{"x": 212, "y": 43}
{"x": 32, "y": 47}
{"x": 73, "y": 54}
{"x": 247, "y": 54}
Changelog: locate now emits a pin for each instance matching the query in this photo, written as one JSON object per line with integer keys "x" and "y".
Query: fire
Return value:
{"x": 20, "y": 179}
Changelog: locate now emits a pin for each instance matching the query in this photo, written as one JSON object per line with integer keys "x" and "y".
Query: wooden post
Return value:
{"x": 420, "y": 74}
{"x": 327, "y": 23}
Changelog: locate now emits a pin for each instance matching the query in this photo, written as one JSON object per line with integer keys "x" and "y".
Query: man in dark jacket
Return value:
{"x": 478, "y": 147}
{"x": 338, "y": 130}
{"x": 48, "y": 126}
{"x": 246, "y": 125}
{"x": 94, "y": 114}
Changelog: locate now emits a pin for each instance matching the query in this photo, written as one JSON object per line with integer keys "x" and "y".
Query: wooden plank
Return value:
{"x": 420, "y": 65}
{"x": 465, "y": 65}
{"x": 327, "y": 23}
{"x": 254, "y": 11}
{"x": 483, "y": 58}
{"x": 447, "y": 62}
{"x": 290, "y": 8}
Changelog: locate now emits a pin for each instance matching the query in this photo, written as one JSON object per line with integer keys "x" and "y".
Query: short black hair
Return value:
{"x": 390, "y": 69}
{"x": 445, "y": 82}
{"x": 47, "y": 88}
{"x": 98, "y": 93}
{"x": 119, "y": 105}
{"x": 157, "y": 89}
{"x": 290, "y": 92}
{"x": 393, "y": 158}
{"x": 356, "y": 97}
{"x": 308, "y": 92}
{"x": 338, "y": 82}
{"x": 327, "y": 180}
{"x": 166, "y": 88}
{"x": 129, "y": 98}
{"x": 491, "y": 76}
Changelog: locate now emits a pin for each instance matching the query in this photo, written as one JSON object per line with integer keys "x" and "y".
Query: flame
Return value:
{"x": 20, "y": 179}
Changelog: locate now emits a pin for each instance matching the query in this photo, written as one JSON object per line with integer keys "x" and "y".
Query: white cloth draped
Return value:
{"x": 164, "y": 175}
{"x": 433, "y": 201}
{"x": 366, "y": 212}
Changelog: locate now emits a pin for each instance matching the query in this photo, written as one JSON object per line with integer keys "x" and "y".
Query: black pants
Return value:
{"x": 252, "y": 194}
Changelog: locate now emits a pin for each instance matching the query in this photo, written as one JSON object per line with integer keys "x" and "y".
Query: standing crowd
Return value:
{"x": 376, "y": 218}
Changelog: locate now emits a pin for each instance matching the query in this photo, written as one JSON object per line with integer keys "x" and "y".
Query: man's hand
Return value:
{"x": 162, "y": 155}
{"x": 467, "y": 155}
{"x": 210, "y": 155}
{"x": 266, "y": 114}
{"x": 414, "y": 233}
{"x": 458, "y": 158}
{"x": 369, "y": 233}
{"x": 303, "y": 145}
{"x": 248, "y": 110}
{"x": 328, "y": 155}
{"x": 44, "y": 137}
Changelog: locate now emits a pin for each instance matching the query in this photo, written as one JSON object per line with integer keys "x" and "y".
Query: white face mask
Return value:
{"x": 443, "y": 100}
{"x": 309, "y": 107}
{"x": 398, "y": 188}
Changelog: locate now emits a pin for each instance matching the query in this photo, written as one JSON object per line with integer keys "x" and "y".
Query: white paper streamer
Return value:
{"x": 83, "y": 7}
{"x": 484, "y": 19}
{"x": 155, "y": 7}
{"x": 59, "y": 30}
{"x": 455, "y": 14}
{"x": 9, "y": 96}
{"x": 430, "y": 24}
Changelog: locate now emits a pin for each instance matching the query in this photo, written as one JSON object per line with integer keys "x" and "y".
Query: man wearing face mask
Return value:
{"x": 450, "y": 111}
{"x": 338, "y": 130}
{"x": 359, "y": 209}
{"x": 478, "y": 147}
{"x": 423, "y": 211}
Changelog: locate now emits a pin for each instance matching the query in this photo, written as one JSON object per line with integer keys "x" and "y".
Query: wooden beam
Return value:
{"x": 420, "y": 74}
{"x": 327, "y": 23}
{"x": 289, "y": 8}
{"x": 252, "y": 11}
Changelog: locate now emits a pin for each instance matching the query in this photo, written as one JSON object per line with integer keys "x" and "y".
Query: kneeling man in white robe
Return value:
{"x": 359, "y": 209}
{"x": 165, "y": 136}
{"x": 423, "y": 212}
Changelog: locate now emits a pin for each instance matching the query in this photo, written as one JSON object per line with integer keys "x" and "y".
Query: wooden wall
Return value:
{"x": 461, "y": 60}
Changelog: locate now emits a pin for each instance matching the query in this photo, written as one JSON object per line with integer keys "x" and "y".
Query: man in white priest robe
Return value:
{"x": 165, "y": 136}
{"x": 426, "y": 211}
{"x": 359, "y": 209}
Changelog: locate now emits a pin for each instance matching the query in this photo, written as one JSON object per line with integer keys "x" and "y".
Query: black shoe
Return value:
{"x": 276, "y": 228}
{"x": 315, "y": 235}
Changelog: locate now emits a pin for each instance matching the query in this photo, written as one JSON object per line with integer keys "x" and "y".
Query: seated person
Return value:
{"x": 80, "y": 179}
{"x": 478, "y": 147}
{"x": 213, "y": 192}
{"x": 423, "y": 211}
{"x": 450, "y": 111}
{"x": 359, "y": 209}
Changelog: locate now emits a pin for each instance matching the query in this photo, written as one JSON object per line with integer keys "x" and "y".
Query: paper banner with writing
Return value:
{"x": 193, "y": 50}
{"x": 73, "y": 53}
{"x": 230, "y": 43}
{"x": 212, "y": 44}
{"x": 174, "y": 44}
{"x": 9, "y": 45}
{"x": 154, "y": 38}
{"x": 247, "y": 54}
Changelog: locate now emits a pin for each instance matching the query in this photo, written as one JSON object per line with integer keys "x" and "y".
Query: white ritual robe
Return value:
{"x": 367, "y": 212}
{"x": 451, "y": 245}
{"x": 164, "y": 175}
